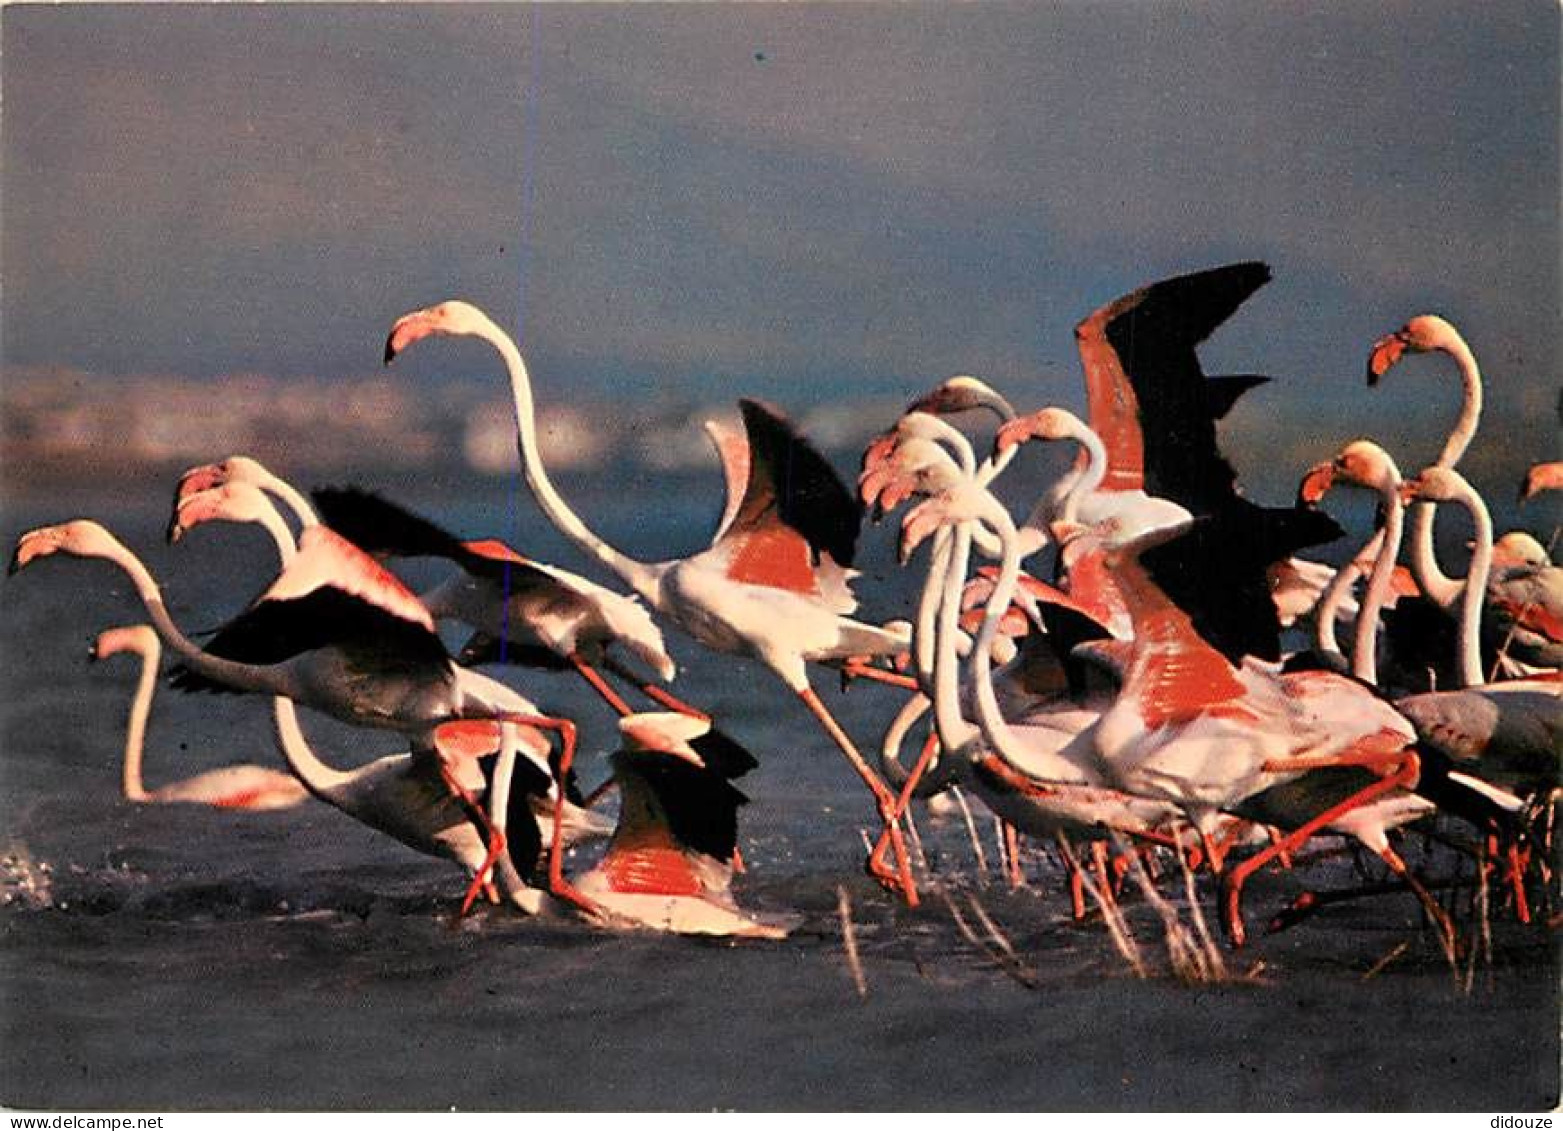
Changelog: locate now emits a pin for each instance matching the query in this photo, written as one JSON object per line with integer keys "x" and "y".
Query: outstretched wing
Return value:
{"x": 379, "y": 526}
{"x": 794, "y": 510}
{"x": 370, "y": 639}
{"x": 1148, "y": 398}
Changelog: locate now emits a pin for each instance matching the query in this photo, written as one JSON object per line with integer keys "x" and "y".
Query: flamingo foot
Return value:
{"x": 482, "y": 879}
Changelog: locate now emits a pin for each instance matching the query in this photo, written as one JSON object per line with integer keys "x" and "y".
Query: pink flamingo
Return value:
{"x": 241, "y": 786}
{"x": 337, "y": 633}
{"x": 670, "y": 863}
{"x": 774, "y": 585}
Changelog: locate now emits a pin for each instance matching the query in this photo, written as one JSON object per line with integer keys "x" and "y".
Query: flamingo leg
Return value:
{"x": 1437, "y": 914}
{"x": 1076, "y": 880}
{"x": 482, "y": 878}
{"x": 1517, "y": 881}
{"x": 557, "y": 884}
{"x": 1235, "y": 879}
{"x": 887, "y": 801}
{"x": 1282, "y": 854}
{"x": 876, "y": 858}
{"x": 856, "y": 668}
{"x": 658, "y": 695}
{"x": 1012, "y": 851}
{"x": 1104, "y": 872}
{"x": 592, "y": 676}
{"x": 1213, "y": 853}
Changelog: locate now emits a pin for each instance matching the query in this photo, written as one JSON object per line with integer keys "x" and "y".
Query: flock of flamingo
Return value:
{"x": 1129, "y": 667}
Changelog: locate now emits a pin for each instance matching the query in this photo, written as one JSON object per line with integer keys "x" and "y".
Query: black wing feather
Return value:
{"x": 787, "y": 471}
{"x": 701, "y": 805}
{"x": 1154, "y": 333}
{"x": 1216, "y": 572}
{"x": 274, "y": 632}
{"x": 378, "y": 526}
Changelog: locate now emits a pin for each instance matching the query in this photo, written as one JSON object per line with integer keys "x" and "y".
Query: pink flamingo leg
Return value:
{"x": 1238, "y": 876}
{"x": 557, "y": 884}
{"x": 598, "y": 684}
{"x": 856, "y": 668}
{"x": 496, "y": 840}
{"x": 876, "y": 858}
{"x": 1012, "y": 850}
{"x": 902, "y": 878}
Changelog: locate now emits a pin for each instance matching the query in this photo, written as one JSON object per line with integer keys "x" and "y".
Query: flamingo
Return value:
{"x": 238, "y": 500}
{"x": 241, "y": 469}
{"x": 773, "y": 586}
{"x": 1036, "y": 774}
{"x": 670, "y": 863}
{"x": 522, "y": 609}
{"x": 1525, "y": 617}
{"x": 240, "y": 786}
{"x": 337, "y": 633}
{"x": 526, "y": 611}
{"x": 1511, "y": 732}
{"x": 1429, "y": 333}
{"x": 1363, "y": 463}
{"x": 1192, "y": 727}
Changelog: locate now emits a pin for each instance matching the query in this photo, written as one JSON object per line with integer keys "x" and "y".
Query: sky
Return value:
{"x": 809, "y": 202}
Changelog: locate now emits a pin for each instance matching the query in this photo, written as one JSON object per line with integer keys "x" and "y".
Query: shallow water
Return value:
{"x": 180, "y": 957}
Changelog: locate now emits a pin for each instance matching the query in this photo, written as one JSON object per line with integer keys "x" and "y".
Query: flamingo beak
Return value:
{"x": 1011, "y": 434}
{"x": 408, "y": 329}
{"x": 198, "y": 479}
{"x": 1316, "y": 484}
{"x": 1409, "y": 490}
{"x": 1386, "y": 352}
{"x": 32, "y": 545}
{"x": 919, "y": 523}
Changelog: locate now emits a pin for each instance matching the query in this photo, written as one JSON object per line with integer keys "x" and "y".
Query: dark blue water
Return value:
{"x": 179, "y": 957}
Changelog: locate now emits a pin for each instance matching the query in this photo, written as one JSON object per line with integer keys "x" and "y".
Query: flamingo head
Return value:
{"x": 1424, "y": 333}
{"x": 1541, "y": 477}
{"x": 1361, "y": 463}
{"x": 1316, "y": 484}
{"x": 1437, "y": 485}
{"x": 137, "y": 638}
{"x": 959, "y": 394}
{"x": 233, "y": 501}
{"x": 234, "y": 469}
{"x": 665, "y": 732}
{"x": 452, "y": 317}
{"x": 1517, "y": 549}
{"x": 80, "y": 538}
{"x": 909, "y": 464}
{"x": 1050, "y": 423}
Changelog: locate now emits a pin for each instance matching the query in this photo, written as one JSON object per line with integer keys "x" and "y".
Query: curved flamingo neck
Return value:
{"x": 1063, "y": 498}
{"x": 1091, "y": 477}
{"x": 1438, "y": 586}
{"x": 1327, "y": 610}
{"x": 290, "y": 495}
{"x": 955, "y": 733}
{"x": 136, "y": 726}
{"x": 640, "y": 576}
{"x": 241, "y": 676}
{"x": 995, "y": 727}
{"x": 324, "y": 782}
{"x": 1471, "y": 406}
{"x": 1364, "y": 647}
{"x": 925, "y": 637}
{"x": 1475, "y": 587}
